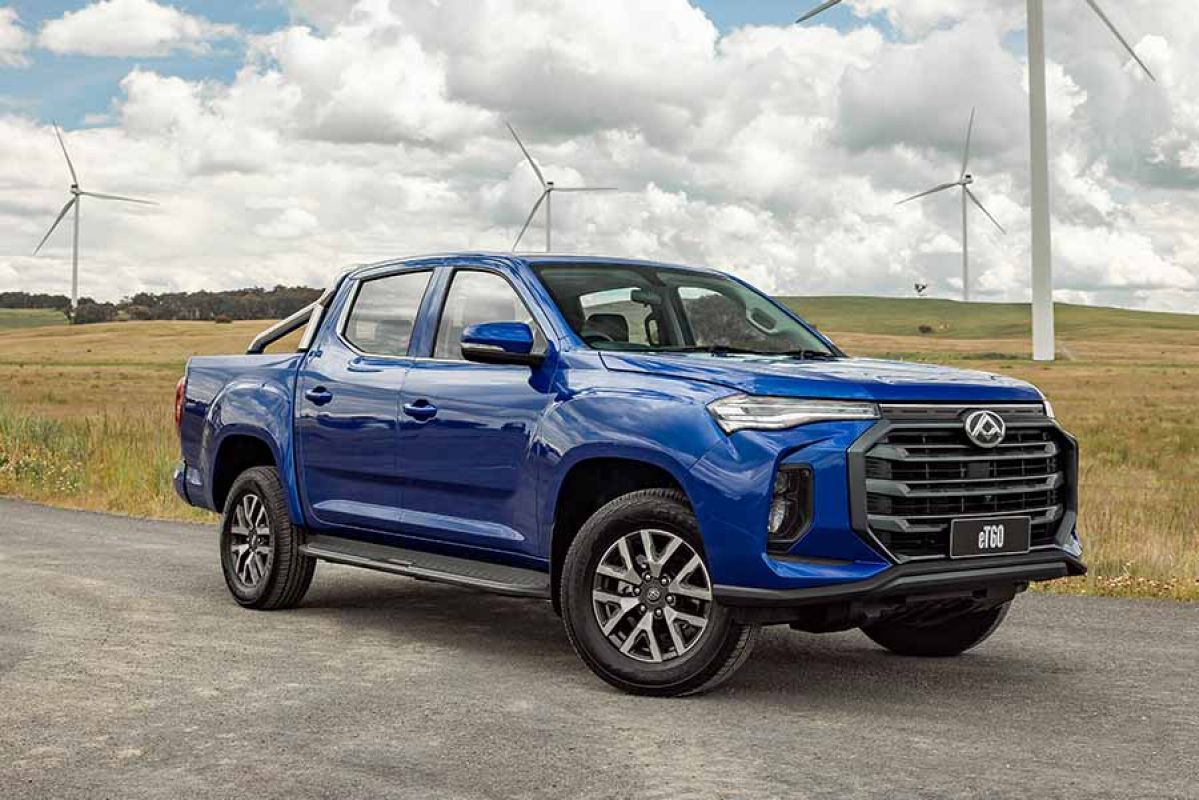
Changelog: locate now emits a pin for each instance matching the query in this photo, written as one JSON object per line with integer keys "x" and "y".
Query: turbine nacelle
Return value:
{"x": 77, "y": 195}
{"x": 547, "y": 193}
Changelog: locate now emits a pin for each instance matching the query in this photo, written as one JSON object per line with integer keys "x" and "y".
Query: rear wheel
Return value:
{"x": 260, "y": 548}
{"x": 637, "y": 600}
{"x": 939, "y": 638}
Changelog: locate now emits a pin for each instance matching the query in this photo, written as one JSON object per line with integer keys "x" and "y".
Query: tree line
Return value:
{"x": 255, "y": 303}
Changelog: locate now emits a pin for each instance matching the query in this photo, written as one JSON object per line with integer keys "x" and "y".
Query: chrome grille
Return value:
{"x": 921, "y": 475}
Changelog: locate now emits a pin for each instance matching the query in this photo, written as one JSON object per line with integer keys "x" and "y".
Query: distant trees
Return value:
{"x": 56, "y": 302}
{"x": 89, "y": 312}
{"x": 255, "y": 303}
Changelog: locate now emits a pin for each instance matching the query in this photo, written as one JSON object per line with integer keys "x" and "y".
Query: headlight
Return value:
{"x": 1049, "y": 412}
{"x": 743, "y": 412}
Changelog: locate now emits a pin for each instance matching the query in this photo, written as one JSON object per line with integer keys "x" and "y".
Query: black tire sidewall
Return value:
{"x": 263, "y": 481}
{"x": 615, "y": 520}
{"x": 951, "y": 638}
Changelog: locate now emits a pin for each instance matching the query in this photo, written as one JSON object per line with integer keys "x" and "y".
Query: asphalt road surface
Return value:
{"x": 126, "y": 671}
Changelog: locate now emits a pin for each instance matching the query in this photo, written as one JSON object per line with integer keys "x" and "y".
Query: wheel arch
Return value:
{"x": 587, "y": 485}
{"x": 236, "y": 452}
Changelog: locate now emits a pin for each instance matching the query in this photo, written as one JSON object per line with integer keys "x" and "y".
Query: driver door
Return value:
{"x": 466, "y": 429}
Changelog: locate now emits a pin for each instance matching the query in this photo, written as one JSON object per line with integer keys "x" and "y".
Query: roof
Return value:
{"x": 531, "y": 259}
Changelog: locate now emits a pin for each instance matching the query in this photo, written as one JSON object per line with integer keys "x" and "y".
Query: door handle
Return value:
{"x": 319, "y": 395}
{"x": 421, "y": 409}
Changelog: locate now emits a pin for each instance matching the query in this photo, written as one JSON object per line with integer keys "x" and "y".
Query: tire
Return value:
{"x": 950, "y": 637}
{"x": 690, "y": 658}
{"x": 280, "y": 574}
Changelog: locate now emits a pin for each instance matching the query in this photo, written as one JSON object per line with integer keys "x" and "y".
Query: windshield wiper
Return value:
{"x": 724, "y": 350}
{"x": 714, "y": 349}
{"x": 810, "y": 355}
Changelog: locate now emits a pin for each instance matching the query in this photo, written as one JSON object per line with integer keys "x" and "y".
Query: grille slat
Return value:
{"x": 924, "y": 474}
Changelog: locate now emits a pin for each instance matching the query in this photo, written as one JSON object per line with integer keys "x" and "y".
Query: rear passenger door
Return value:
{"x": 348, "y": 402}
{"x": 466, "y": 429}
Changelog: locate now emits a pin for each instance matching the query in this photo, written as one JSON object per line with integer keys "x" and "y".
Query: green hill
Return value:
{"x": 11, "y": 318}
{"x": 895, "y": 316}
{"x": 951, "y": 319}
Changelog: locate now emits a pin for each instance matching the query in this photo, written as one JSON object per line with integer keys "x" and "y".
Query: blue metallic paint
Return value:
{"x": 481, "y": 476}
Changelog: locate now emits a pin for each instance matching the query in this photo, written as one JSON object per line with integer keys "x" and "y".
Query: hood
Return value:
{"x": 843, "y": 379}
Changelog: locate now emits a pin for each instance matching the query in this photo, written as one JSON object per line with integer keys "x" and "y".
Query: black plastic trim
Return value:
{"x": 485, "y": 576}
{"x": 856, "y": 472}
{"x": 915, "y": 578}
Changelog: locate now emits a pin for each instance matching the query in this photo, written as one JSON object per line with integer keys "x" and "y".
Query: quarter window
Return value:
{"x": 384, "y": 313}
{"x": 477, "y": 297}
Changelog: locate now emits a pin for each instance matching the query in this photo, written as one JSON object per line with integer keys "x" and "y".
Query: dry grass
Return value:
{"x": 85, "y": 421}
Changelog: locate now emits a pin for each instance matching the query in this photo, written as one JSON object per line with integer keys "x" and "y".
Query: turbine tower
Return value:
{"x": 547, "y": 196}
{"x": 77, "y": 195}
{"x": 965, "y": 179}
{"x": 1042, "y": 242}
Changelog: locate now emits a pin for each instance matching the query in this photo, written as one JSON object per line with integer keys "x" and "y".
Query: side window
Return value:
{"x": 384, "y": 313}
{"x": 476, "y": 297}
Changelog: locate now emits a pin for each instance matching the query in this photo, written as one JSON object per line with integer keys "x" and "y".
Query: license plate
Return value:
{"x": 969, "y": 538}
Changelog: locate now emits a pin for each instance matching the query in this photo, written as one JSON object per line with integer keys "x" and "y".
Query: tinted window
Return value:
{"x": 617, "y": 307}
{"x": 477, "y": 297}
{"x": 384, "y": 313}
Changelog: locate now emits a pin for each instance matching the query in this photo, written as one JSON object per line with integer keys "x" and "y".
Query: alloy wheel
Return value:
{"x": 251, "y": 544}
{"x": 652, "y": 596}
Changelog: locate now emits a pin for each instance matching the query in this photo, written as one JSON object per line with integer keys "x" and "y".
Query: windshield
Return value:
{"x": 616, "y": 307}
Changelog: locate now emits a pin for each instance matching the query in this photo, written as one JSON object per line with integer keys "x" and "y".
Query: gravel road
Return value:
{"x": 126, "y": 671}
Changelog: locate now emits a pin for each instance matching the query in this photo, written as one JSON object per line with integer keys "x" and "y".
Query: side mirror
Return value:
{"x": 500, "y": 343}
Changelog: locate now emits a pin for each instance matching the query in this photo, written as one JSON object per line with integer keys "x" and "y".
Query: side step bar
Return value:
{"x": 495, "y": 578}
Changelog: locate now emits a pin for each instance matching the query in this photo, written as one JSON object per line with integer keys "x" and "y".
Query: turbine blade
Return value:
{"x": 529, "y": 221}
{"x": 934, "y": 190}
{"x": 57, "y": 220}
{"x": 966, "y": 152}
{"x": 585, "y": 189}
{"x": 820, "y": 9}
{"x": 1111, "y": 27}
{"x": 521, "y": 145}
{"x": 119, "y": 197}
{"x": 70, "y": 166}
{"x": 983, "y": 209}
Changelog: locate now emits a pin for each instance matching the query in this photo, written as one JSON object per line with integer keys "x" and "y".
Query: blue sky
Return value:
{"x": 70, "y": 89}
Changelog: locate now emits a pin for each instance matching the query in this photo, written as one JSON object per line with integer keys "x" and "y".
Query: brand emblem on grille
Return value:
{"x": 985, "y": 428}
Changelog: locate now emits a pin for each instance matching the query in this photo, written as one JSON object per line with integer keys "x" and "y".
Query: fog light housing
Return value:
{"x": 790, "y": 513}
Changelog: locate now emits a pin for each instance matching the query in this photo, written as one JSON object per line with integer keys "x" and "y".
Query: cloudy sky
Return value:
{"x": 287, "y": 138}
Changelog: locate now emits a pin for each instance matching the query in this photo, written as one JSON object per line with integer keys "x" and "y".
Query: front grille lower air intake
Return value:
{"x": 919, "y": 471}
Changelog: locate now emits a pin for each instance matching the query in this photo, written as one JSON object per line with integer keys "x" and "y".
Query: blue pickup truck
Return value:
{"x": 669, "y": 456}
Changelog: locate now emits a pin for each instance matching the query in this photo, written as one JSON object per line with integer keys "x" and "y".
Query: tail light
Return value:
{"x": 180, "y": 387}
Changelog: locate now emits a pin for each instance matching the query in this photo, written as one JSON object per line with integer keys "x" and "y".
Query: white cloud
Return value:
{"x": 14, "y": 41}
{"x": 130, "y": 28}
{"x": 376, "y": 129}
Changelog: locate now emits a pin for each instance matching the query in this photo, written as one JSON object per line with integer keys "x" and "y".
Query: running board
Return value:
{"x": 482, "y": 575}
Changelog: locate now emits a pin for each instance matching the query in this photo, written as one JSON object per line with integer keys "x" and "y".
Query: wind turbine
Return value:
{"x": 1042, "y": 240}
{"x": 547, "y": 196}
{"x": 964, "y": 180}
{"x": 77, "y": 194}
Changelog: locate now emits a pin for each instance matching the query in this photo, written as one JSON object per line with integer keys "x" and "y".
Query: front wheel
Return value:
{"x": 260, "y": 548}
{"x": 937, "y": 639}
{"x": 637, "y": 600}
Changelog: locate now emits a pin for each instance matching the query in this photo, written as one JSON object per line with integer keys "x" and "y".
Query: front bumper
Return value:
{"x": 915, "y": 580}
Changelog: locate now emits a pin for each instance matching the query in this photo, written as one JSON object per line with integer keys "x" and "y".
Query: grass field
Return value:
{"x": 85, "y": 418}
{"x": 11, "y": 318}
